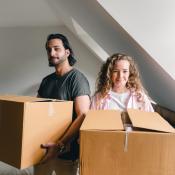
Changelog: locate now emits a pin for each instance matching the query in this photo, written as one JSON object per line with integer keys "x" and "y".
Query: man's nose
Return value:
{"x": 52, "y": 52}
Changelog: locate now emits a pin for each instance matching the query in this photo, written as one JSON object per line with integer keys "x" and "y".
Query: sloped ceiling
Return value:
{"x": 151, "y": 24}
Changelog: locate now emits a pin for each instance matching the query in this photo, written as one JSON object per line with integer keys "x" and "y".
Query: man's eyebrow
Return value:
{"x": 53, "y": 47}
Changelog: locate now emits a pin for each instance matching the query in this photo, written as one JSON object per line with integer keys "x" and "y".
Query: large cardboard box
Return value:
{"x": 109, "y": 147}
{"x": 26, "y": 123}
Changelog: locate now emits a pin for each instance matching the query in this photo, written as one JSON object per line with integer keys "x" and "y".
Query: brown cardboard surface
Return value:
{"x": 25, "y": 125}
{"x": 149, "y": 120}
{"x": 147, "y": 154}
{"x": 103, "y": 120}
{"x": 17, "y": 98}
{"x": 118, "y": 152}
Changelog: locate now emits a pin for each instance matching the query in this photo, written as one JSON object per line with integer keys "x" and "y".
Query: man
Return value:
{"x": 66, "y": 83}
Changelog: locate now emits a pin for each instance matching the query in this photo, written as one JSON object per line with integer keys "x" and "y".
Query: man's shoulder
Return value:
{"x": 78, "y": 74}
{"x": 79, "y": 83}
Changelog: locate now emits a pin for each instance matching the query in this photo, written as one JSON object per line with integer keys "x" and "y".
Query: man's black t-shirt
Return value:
{"x": 66, "y": 87}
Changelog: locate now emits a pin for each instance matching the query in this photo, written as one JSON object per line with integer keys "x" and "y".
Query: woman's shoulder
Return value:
{"x": 95, "y": 96}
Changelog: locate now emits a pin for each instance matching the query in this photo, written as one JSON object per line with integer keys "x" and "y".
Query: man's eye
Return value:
{"x": 57, "y": 49}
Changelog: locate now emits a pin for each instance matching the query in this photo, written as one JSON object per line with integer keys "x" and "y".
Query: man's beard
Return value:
{"x": 55, "y": 63}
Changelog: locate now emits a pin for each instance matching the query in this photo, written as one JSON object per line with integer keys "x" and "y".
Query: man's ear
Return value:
{"x": 67, "y": 52}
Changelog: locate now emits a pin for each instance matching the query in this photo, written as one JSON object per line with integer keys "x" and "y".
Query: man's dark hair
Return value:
{"x": 66, "y": 45}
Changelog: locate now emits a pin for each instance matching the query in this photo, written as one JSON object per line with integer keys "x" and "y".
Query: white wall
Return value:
{"x": 23, "y": 59}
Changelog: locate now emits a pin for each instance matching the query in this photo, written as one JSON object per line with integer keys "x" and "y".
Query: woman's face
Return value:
{"x": 120, "y": 74}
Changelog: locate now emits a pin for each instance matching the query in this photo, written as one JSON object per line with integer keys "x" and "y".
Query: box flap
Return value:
{"x": 102, "y": 120}
{"x": 17, "y": 98}
{"x": 149, "y": 120}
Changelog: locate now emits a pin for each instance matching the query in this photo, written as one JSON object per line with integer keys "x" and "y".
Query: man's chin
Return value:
{"x": 53, "y": 64}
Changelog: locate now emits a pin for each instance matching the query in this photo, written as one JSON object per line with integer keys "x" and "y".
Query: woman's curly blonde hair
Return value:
{"x": 104, "y": 82}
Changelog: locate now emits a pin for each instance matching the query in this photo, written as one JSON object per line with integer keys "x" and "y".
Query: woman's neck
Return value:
{"x": 119, "y": 90}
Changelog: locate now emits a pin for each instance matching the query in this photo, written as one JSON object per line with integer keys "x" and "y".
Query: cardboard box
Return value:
{"x": 146, "y": 148}
{"x": 26, "y": 123}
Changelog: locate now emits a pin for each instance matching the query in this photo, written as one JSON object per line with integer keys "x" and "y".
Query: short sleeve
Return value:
{"x": 97, "y": 103}
{"x": 80, "y": 86}
{"x": 93, "y": 104}
{"x": 147, "y": 105}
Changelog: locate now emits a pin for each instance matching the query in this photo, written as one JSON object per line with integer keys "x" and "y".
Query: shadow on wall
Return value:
{"x": 31, "y": 90}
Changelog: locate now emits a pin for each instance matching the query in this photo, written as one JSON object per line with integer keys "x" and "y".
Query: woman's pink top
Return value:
{"x": 130, "y": 102}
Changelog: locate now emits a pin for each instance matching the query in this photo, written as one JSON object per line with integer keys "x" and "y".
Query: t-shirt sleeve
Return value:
{"x": 80, "y": 86}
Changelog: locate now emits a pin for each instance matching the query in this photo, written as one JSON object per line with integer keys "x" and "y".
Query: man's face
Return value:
{"x": 56, "y": 52}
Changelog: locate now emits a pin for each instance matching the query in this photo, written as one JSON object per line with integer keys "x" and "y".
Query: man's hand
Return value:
{"x": 51, "y": 151}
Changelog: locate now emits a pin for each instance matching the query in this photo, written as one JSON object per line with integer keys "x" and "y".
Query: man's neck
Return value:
{"x": 63, "y": 69}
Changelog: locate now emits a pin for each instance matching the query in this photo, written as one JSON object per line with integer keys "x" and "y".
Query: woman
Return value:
{"x": 119, "y": 86}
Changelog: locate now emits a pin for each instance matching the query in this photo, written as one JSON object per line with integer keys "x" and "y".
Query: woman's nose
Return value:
{"x": 119, "y": 75}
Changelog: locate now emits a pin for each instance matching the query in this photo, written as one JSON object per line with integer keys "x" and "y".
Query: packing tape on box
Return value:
{"x": 51, "y": 110}
{"x": 126, "y": 142}
{"x": 128, "y": 128}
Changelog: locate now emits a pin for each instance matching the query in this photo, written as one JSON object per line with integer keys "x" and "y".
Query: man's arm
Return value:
{"x": 82, "y": 104}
